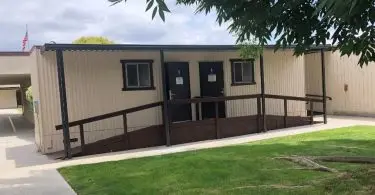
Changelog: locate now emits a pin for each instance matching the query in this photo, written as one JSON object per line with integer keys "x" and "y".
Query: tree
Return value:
{"x": 93, "y": 40}
{"x": 350, "y": 24}
{"x": 29, "y": 94}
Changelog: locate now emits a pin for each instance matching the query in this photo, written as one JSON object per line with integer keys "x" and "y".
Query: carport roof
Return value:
{"x": 120, "y": 47}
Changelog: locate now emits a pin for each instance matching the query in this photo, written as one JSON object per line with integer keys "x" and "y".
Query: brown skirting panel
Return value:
{"x": 143, "y": 138}
{"x": 236, "y": 126}
{"x": 191, "y": 131}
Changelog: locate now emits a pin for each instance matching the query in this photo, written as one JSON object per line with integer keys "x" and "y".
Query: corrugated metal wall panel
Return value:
{"x": 94, "y": 83}
{"x": 313, "y": 77}
{"x": 94, "y": 87}
{"x": 359, "y": 98}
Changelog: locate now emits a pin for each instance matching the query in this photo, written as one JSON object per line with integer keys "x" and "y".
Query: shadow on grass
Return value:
{"x": 242, "y": 169}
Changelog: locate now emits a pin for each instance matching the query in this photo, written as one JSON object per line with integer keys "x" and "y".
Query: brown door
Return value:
{"x": 179, "y": 88}
{"x": 212, "y": 85}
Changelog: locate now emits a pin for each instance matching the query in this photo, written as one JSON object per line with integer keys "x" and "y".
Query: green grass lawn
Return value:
{"x": 241, "y": 169}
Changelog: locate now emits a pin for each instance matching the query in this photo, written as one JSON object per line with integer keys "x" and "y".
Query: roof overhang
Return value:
{"x": 137, "y": 47}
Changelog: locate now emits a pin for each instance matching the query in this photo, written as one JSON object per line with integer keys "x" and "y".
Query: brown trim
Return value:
{"x": 191, "y": 131}
{"x": 20, "y": 53}
{"x": 319, "y": 96}
{"x": 138, "y": 89}
{"x": 63, "y": 103}
{"x": 305, "y": 99}
{"x": 14, "y": 53}
{"x": 241, "y": 84}
{"x": 262, "y": 92}
{"x": 234, "y": 83}
{"x": 212, "y": 99}
{"x": 111, "y": 115}
{"x": 10, "y": 88}
{"x": 125, "y": 88}
{"x": 324, "y": 90}
{"x": 165, "y": 106}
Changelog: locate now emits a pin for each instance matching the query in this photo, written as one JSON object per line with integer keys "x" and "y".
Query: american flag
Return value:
{"x": 25, "y": 40}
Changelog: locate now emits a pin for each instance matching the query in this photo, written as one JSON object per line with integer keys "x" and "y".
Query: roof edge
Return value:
{"x": 119, "y": 47}
{"x": 20, "y": 53}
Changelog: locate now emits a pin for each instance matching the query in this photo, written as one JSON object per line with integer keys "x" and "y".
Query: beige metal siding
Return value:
{"x": 8, "y": 99}
{"x": 94, "y": 87}
{"x": 35, "y": 63}
{"x": 284, "y": 75}
{"x": 13, "y": 65}
{"x": 313, "y": 75}
{"x": 359, "y": 99}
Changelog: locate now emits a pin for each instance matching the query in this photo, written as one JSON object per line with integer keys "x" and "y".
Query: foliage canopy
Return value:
{"x": 350, "y": 24}
{"x": 93, "y": 40}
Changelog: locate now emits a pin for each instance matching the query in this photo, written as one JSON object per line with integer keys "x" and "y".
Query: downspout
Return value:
{"x": 324, "y": 90}
{"x": 166, "y": 114}
{"x": 63, "y": 103}
{"x": 262, "y": 93}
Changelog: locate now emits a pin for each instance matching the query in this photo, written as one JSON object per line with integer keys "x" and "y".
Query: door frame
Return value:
{"x": 166, "y": 64}
{"x": 200, "y": 85}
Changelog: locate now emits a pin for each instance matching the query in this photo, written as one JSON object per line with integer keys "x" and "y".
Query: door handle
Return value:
{"x": 222, "y": 92}
{"x": 171, "y": 94}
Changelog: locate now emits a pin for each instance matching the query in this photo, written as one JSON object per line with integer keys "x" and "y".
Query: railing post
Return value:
{"x": 258, "y": 114}
{"x": 285, "y": 112}
{"x": 126, "y": 138}
{"x": 82, "y": 137}
{"x": 311, "y": 112}
{"x": 217, "y": 120}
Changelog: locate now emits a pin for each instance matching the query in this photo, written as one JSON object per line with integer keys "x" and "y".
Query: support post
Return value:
{"x": 82, "y": 137}
{"x": 262, "y": 88}
{"x": 217, "y": 120}
{"x": 259, "y": 114}
{"x": 311, "y": 112}
{"x": 126, "y": 137}
{"x": 63, "y": 103}
{"x": 285, "y": 112}
{"x": 324, "y": 90}
{"x": 166, "y": 113}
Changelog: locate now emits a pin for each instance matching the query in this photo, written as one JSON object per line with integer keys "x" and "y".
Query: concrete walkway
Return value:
{"x": 18, "y": 151}
{"x": 32, "y": 173}
{"x": 333, "y": 122}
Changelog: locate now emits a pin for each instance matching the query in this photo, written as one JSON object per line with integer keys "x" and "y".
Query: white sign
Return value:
{"x": 212, "y": 78}
{"x": 179, "y": 81}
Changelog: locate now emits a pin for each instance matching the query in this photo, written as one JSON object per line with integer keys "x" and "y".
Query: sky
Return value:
{"x": 63, "y": 21}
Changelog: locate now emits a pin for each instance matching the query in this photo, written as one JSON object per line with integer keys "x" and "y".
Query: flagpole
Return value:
{"x": 28, "y": 38}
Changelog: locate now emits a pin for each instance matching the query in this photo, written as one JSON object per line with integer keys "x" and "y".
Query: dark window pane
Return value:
{"x": 144, "y": 75}
{"x": 248, "y": 72}
{"x": 237, "y": 72}
{"x": 131, "y": 75}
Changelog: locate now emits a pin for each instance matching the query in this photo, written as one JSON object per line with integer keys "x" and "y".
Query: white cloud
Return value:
{"x": 64, "y": 21}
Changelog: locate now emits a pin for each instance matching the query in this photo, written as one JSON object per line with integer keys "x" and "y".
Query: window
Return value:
{"x": 137, "y": 75}
{"x": 243, "y": 72}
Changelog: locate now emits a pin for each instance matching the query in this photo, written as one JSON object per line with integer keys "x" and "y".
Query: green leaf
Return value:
{"x": 149, "y": 5}
{"x": 154, "y": 12}
{"x": 162, "y": 5}
{"x": 161, "y": 14}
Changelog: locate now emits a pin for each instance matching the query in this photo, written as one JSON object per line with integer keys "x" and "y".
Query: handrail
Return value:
{"x": 213, "y": 99}
{"x": 319, "y": 96}
{"x": 111, "y": 115}
{"x": 305, "y": 99}
{"x": 226, "y": 98}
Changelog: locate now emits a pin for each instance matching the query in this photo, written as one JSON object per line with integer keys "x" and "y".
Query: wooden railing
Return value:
{"x": 122, "y": 113}
{"x": 292, "y": 98}
{"x": 318, "y": 96}
{"x": 215, "y": 100}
